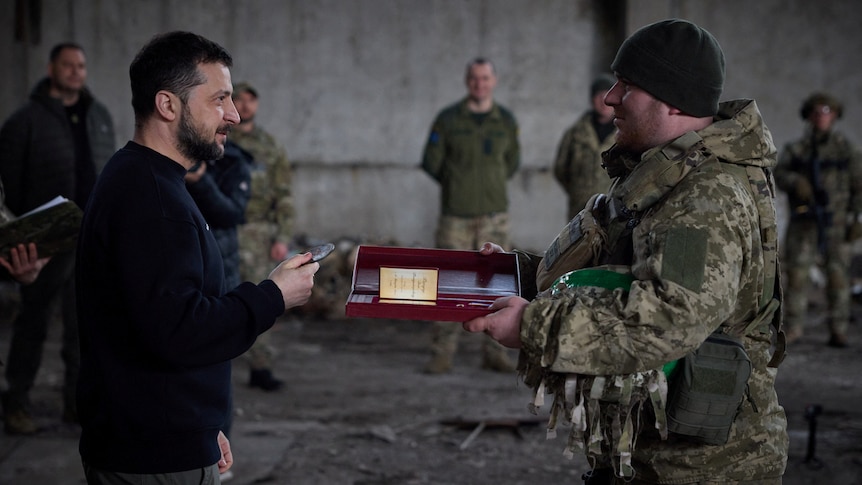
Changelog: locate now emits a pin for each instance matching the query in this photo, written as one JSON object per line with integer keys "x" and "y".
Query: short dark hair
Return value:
{"x": 55, "y": 51}
{"x": 479, "y": 61}
{"x": 169, "y": 62}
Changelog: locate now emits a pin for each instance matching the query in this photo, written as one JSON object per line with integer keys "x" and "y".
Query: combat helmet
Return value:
{"x": 822, "y": 99}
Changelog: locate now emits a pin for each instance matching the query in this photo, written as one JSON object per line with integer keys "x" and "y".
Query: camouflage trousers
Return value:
{"x": 467, "y": 233}
{"x": 255, "y": 241}
{"x": 800, "y": 255}
{"x": 635, "y": 481}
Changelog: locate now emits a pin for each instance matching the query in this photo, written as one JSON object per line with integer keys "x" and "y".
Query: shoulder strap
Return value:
{"x": 762, "y": 189}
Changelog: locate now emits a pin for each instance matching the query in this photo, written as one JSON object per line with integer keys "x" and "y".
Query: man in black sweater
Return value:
{"x": 157, "y": 327}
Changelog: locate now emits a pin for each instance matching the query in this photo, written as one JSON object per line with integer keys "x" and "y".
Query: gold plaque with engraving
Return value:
{"x": 416, "y": 284}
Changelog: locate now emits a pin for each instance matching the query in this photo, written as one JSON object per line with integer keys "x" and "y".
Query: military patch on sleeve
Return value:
{"x": 434, "y": 138}
{"x": 568, "y": 236}
{"x": 684, "y": 257}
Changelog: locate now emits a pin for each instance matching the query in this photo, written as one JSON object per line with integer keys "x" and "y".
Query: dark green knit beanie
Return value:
{"x": 677, "y": 62}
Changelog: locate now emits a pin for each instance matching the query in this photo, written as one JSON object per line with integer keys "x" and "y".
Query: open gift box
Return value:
{"x": 429, "y": 284}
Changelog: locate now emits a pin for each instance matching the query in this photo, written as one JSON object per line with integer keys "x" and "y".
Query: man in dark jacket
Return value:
{"x": 221, "y": 189}
{"x": 54, "y": 145}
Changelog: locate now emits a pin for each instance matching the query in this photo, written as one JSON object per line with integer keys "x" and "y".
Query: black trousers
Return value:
{"x": 56, "y": 280}
{"x": 200, "y": 476}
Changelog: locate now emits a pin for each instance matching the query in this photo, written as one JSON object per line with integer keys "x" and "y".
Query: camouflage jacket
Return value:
{"x": 271, "y": 196}
{"x": 578, "y": 166}
{"x": 840, "y": 174}
{"x": 472, "y": 161}
{"x": 695, "y": 223}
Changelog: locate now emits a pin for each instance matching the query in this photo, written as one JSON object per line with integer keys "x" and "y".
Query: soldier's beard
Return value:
{"x": 193, "y": 145}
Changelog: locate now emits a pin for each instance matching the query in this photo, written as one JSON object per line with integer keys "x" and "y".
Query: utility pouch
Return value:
{"x": 707, "y": 390}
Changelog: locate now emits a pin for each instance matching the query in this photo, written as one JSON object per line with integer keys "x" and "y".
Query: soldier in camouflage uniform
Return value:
{"x": 264, "y": 238}
{"x": 578, "y": 166}
{"x": 472, "y": 151}
{"x": 690, "y": 217}
{"x": 822, "y": 176}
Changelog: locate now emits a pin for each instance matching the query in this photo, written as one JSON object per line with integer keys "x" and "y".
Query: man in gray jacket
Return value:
{"x": 54, "y": 145}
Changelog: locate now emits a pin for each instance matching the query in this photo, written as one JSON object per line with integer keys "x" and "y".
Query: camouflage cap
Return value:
{"x": 242, "y": 87}
{"x": 823, "y": 99}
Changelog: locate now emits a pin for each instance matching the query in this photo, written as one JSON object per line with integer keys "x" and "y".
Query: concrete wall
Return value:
{"x": 351, "y": 86}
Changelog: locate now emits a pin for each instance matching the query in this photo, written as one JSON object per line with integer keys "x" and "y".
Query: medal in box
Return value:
{"x": 429, "y": 284}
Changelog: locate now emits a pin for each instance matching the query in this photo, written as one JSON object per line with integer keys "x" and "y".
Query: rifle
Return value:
{"x": 819, "y": 205}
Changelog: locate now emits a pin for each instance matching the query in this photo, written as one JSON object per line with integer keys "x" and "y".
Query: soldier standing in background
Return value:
{"x": 822, "y": 176}
{"x": 265, "y": 237}
{"x": 578, "y": 166}
{"x": 55, "y": 145}
{"x": 472, "y": 152}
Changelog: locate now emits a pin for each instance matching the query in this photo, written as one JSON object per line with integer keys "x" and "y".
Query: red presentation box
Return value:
{"x": 467, "y": 283}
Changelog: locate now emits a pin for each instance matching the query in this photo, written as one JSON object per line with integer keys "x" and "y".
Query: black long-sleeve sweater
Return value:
{"x": 157, "y": 330}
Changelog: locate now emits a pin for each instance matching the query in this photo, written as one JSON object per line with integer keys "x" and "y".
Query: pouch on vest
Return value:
{"x": 707, "y": 390}
{"x": 577, "y": 246}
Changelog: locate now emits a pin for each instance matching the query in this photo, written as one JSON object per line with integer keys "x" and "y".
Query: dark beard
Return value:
{"x": 192, "y": 145}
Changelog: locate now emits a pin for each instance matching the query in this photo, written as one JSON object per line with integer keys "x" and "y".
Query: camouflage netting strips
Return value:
{"x": 604, "y": 414}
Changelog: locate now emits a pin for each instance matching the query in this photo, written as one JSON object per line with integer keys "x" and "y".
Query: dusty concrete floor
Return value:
{"x": 357, "y": 410}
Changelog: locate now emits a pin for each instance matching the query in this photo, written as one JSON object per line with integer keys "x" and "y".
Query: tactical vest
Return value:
{"x": 621, "y": 220}
{"x": 601, "y": 233}
{"x": 605, "y": 411}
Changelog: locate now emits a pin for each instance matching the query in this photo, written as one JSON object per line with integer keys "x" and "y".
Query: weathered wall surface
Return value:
{"x": 351, "y": 86}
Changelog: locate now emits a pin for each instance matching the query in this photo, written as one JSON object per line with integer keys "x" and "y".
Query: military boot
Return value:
{"x": 17, "y": 421}
{"x": 497, "y": 363}
{"x": 264, "y": 379}
{"x": 494, "y": 357}
{"x": 444, "y": 343}
{"x": 838, "y": 331}
{"x": 792, "y": 334}
{"x": 838, "y": 340}
{"x": 440, "y": 363}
